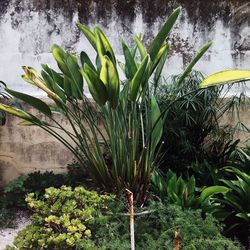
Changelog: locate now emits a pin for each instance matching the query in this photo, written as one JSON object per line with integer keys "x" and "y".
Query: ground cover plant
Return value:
{"x": 79, "y": 219}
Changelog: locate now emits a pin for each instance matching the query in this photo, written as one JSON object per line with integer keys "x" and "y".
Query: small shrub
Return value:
{"x": 156, "y": 229}
{"x": 65, "y": 219}
{"x": 16, "y": 191}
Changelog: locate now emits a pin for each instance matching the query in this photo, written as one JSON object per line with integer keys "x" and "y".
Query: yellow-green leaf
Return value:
{"x": 110, "y": 78}
{"x": 16, "y": 112}
{"x": 225, "y": 77}
{"x": 103, "y": 45}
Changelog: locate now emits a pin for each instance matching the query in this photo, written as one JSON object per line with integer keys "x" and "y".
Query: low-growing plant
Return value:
{"x": 155, "y": 228}
{"x": 176, "y": 190}
{"x": 233, "y": 206}
{"x": 64, "y": 219}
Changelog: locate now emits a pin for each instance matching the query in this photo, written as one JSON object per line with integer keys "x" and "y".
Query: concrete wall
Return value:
{"x": 28, "y": 28}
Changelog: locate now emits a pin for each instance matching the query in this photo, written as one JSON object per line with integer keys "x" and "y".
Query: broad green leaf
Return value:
{"x": 225, "y": 77}
{"x": 96, "y": 86}
{"x": 60, "y": 57}
{"x": 243, "y": 175}
{"x": 103, "y": 45}
{"x": 157, "y": 124}
{"x": 163, "y": 34}
{"x": 163, "y": 50}
{"x": 212, "y": 190}
{"x": 109, "y": 76}
{"x": 244, "y": 216}
{"x": 88, "y": 34}
{"x": 136, "y": 82}
{"x": 130, "y": 65}
{"x": 33, "y": 101}
{"x": 141, "y": 47}
{"x": 57, "y": 77}
{"x": 75, "y": 75}
{"x": 189, "y": 68}
{"x": 159, "y": 183}
{"x": 69, "y": 66}
{"x": 85, "y": 59}
{"x": 53, "y": 85}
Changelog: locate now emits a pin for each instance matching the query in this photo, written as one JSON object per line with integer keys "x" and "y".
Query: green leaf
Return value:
{"x": 163, "y": 50}
{"x": 109, "y": 76}
{"x": 130, "y": 65}
{"x": 163, "y": 34}
{"x": 88, "y": 34}
{"x": 244, "y": 216}
{"x": 141, "y": 47}
{"x": 69, "y": 66}
{"x": 137, "y": 80}
{"x": 157, "y": 124}
{"x": 103, "y": 45}
{"x": 96, "y": 86}
{"x": 85, "y": 59}
{"x": 189, "y": 68}
{"x": 33, "y": 101}
{"x": 53, "y": 85}
{"x": 225, "y": 77}
{"x": 213, "y": 190}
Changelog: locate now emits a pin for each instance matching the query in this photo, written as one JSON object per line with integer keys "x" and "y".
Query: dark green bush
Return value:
{"x": 195, "y": 142}
{"x": 15, "y": 191}
{"x": 65, "y": 219}
{"x": 156, "y": 230}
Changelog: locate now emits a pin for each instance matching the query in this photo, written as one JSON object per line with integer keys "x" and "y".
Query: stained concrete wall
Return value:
{"x": 28, "y": 28}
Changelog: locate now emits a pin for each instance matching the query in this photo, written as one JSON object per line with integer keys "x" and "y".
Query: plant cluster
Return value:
{"x": 65, "y": 218}
{"x": 15, "y": 191}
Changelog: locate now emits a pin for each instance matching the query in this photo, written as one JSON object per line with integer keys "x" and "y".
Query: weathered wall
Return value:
{"x": 28, "y": 28}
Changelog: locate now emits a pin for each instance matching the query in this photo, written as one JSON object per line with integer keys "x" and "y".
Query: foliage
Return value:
{"x": 131, "y": 122}
{"x": 65, "y": 218}
{"x": 233, "y": 206}
{"x": 195, "y": 142}
{"x": 241, "y": 157}
{"x": 155, "y": 229}
{"x": 15, "y": 191}
{"x": 176, "y": 190}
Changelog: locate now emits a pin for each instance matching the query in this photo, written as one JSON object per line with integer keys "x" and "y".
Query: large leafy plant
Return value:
{"x": 131, "y": 122}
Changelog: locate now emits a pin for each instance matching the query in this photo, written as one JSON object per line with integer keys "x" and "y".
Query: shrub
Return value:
{"x": 15, "y": 191}
{"x": 156, "y": 229}
{"x": 64, "y": 219}
{"x": 195, "y": 142}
